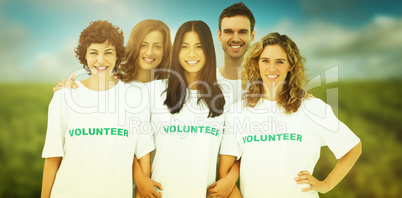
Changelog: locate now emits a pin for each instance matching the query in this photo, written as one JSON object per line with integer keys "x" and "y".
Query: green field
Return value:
{"x": 370, "y": 108}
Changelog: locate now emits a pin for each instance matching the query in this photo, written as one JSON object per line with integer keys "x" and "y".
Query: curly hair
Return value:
{"x": 100, "y": 32}
{"x": 129, "y": 69}
{"x": 292, "y": 92}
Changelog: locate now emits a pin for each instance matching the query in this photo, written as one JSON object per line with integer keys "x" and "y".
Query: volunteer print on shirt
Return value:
{"x": 96, "y": 134}
{"x": 274, "y": 146}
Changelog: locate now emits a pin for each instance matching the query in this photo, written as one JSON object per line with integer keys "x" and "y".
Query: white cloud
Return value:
{"x": 13, "y": 49}
{"x": 370, "y": 51}
{"x": 20, "y": 60}
{"x": 121, "y": 8}
{"x": 364, "y": 52}
{"x": 101, "y": 1}
{"x": 46, "y": 65}
{"x": 55, "y": 66}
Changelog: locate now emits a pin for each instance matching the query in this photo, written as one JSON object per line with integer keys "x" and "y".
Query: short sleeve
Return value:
{"x": 230, "y": 145}
{"x": 336, "y": 135}
{"x": 56, "y": 127}
{"x": 144, "y": 139}
{"x": 144, "y": 145}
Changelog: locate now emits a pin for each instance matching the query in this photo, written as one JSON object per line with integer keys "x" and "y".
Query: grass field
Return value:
{"x": 372, "y": 109}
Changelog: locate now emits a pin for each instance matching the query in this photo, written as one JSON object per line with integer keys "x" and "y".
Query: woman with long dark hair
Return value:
{"x": 187, "y": 115}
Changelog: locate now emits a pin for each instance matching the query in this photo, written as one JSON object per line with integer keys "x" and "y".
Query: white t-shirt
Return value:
{"x": 96, "y": 134}
{"x": 187, "y": 145}
{"x": 231, "y": 88}
{"x": 275, "y": 146}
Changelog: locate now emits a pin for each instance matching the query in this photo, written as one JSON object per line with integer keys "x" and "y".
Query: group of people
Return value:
{"x": 160, "y": 114}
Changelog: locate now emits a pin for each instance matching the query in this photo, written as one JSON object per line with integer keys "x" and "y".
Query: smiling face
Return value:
{"x": 191, "y": 55}
{"x": 101, "y": 58}
{"x": 236, "y": 36}
{"x": 274, "y": 65}
{"x": 151, "y": 50}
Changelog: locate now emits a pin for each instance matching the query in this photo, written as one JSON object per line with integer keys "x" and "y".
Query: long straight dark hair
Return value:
{"x": 209, "y": 92}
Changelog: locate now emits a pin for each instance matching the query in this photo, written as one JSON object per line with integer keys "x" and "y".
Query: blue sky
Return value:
{"x": 362, "y": 38}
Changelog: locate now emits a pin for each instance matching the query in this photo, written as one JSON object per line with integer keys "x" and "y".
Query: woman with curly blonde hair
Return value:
{"x": 278, "y": 132}
{"x": 286, "y": 87}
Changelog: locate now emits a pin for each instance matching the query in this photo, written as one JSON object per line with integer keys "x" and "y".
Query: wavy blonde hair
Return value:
{"x": 292, "y": 92}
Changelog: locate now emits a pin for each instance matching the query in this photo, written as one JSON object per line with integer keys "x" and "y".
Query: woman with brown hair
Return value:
{"x": 278, "y": 131}
{"x": 147, "y": 57}
{"x": 90, "y": 146}
{"x": 148, "y": 52}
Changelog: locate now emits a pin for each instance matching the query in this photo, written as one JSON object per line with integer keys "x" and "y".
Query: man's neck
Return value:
{"x": 231, "y": 69}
